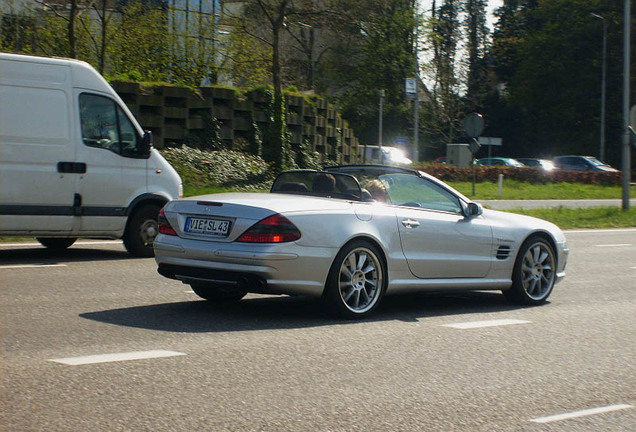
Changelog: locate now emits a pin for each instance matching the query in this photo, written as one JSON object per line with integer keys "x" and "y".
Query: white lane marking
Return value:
{"x": 31, "y": 266}
{"x": 98, "y": 242}
{"x": 489, "y": 323}
{"x": 115, "y": 357}
{"x": 614, "y": 245}
{"x": 582, "y": 413}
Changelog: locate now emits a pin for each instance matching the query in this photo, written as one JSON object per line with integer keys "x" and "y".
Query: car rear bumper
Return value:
{"x": 285, "y": 268}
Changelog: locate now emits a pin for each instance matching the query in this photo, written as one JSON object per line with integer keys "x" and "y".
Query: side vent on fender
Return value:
{"x": 503, "y": 252}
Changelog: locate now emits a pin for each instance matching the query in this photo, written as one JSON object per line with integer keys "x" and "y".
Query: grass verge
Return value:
{"x": 587, "y": 218}
{"x": 515, "y": 190}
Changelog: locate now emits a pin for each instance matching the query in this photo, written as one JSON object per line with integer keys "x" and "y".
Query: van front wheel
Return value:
{"x": 141, "y": 231}
{"x": 56, "y": 243}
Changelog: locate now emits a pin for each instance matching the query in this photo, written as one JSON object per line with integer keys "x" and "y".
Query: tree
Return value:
{"x": 140, "y": 47}
{"x": 548, "y": 56}
{"x": 477, "y": 45}
{"x": 375, "y": 53}
{"x": 441, "y": 113}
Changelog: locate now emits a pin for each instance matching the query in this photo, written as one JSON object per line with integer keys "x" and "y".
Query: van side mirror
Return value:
{"x": 146, "y": 143}
{"x": 474, "y": 209}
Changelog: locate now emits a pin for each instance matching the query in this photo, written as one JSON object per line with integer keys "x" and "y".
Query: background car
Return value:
{"x": 499, "y": 161}
{"x": 582, "y": 163}
{"x": 352, "y": 234}
{"x": 545, "y": 164}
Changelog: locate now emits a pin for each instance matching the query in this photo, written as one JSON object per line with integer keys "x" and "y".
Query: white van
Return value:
{"x": 388, "y": 156}
{"x": 74, "y": 162}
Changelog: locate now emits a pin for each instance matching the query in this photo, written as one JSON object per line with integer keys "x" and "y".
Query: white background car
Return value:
{"x": 335, "y": 235}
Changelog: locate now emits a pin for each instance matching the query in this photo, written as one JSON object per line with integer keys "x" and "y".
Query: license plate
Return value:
{"x": 215, "y": 227}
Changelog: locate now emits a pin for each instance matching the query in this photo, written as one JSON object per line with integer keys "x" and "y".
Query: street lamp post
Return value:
{"x": 382, "y": 94}
{"x": 603, "y": 81}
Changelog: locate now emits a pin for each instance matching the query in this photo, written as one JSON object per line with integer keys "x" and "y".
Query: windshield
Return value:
{"x": 595, "y": 161}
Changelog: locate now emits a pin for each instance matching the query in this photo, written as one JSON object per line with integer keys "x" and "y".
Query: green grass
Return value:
{"x": 578, "y": 218}
{"x": 515, "y": 190}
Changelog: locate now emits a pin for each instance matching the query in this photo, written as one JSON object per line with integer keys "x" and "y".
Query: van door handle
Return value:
{"x": 410, "y": 223}
{"x": 71, "y": 167}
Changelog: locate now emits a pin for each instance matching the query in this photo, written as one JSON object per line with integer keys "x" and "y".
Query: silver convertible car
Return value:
{"x": 352, "y": 234}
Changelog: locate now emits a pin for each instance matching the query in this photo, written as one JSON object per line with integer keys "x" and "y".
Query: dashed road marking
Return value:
{"x": 615, "y": 245}
{"x": 116, "y": 357}
{"x": 583, "y": 413}
{"x": 79, "y": 243}
{"x": 19, "y": 266}
{"x": 489, "y": 323}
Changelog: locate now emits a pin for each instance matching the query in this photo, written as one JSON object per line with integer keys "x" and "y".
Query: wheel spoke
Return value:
{"x": 356, "y": 299}
{"x": 361, "y": 260}
{"x": 351, "y": 262}
{"x": 535, "y": 254}
{"x": 347, "y": 294}
{"x": 365, "y": 296}
{"x": 347, "y": 273}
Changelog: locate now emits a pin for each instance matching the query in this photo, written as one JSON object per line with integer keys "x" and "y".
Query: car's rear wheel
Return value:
{"x": 534, "y": 272}
{"x": 56, "y": 243}
{"x": 356, "y": 281}
{"x": 218, "y": 294}
{"x": 141, "y": 231}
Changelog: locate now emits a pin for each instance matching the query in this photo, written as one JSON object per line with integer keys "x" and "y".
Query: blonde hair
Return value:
{"x": 378, "y": 191}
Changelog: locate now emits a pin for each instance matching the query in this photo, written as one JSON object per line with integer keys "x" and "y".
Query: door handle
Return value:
{"x": 71, "y": 167}
{"x": 410, "y": 223}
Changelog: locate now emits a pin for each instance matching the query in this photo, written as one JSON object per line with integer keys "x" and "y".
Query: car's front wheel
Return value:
{"x": 356, "y": 281}
{"x": 218, "y": 294}
{"x": 534, "y": 273}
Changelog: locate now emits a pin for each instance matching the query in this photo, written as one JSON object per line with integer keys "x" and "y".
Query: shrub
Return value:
{"x": 224, "y": 168}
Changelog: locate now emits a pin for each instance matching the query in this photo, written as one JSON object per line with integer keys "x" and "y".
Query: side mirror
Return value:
{"x": 146, "y": 143}
{"x": 474, "y": 209}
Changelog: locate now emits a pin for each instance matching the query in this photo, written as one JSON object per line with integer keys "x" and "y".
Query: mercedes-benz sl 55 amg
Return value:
{"x": 352, "y": 234}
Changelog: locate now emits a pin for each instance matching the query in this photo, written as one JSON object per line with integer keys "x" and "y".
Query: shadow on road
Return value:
{"x": 40, "y": 255}
{"x": 266, "y": 313}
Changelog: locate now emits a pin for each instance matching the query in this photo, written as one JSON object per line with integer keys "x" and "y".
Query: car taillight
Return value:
{"x": 164, "y": 225}
{"x": 273, "y": 229}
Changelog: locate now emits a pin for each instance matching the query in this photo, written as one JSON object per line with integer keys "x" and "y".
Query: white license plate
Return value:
{"x": 215, "y": 227}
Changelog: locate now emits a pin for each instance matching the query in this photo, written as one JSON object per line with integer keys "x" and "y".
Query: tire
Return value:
{"x": 56, "y": 243}
{"x": 141, "y": 231}
{"x": 534, "y": 273}
{"x": 356, "y": 281}
{"x": 218, "y": 294}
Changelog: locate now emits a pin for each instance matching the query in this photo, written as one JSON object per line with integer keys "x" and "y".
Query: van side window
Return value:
{"x": 105, "y": 125}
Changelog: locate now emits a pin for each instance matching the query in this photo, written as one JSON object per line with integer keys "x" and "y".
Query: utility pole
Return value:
{"x": 626, "y": 58}
{"x": 603, "y": 85}
{"x": 416, "y": 101}
{"x": 380, "y": 126}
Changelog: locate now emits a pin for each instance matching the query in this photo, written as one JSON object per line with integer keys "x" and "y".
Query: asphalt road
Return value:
{"x": 462, "y": 362}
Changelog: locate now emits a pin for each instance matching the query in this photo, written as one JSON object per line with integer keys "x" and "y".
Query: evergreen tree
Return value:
{"x": 477, "y": 46}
